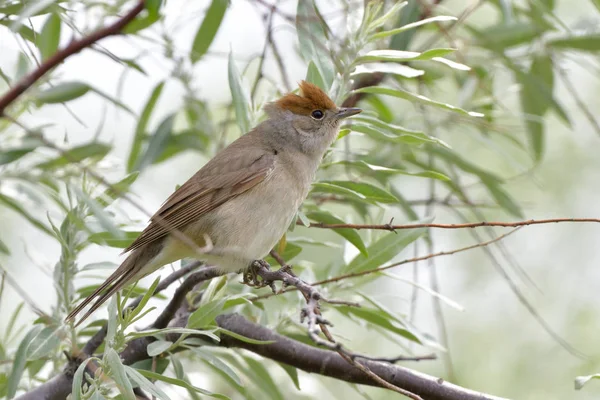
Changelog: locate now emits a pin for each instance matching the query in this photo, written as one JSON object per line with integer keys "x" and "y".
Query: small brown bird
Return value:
{"x": 241, "y": 202}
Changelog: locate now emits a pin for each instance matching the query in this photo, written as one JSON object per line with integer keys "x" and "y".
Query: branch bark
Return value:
{"x": 74, "y": 47}
{"x": 295, "y": 354}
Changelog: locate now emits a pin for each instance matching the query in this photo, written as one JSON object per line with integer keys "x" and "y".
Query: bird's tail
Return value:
{"x": 127, "y": 273}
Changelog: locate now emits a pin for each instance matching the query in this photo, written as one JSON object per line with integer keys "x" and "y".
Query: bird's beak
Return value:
{"x": 347, "y": 112}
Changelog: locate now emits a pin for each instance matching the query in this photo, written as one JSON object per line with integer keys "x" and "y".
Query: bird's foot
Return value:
{"x": 257, "y": 275}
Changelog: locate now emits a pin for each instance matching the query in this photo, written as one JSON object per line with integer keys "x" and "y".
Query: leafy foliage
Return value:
{"x": 55, "y": 187}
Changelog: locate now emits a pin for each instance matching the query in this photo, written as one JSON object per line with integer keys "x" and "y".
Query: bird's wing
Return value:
{"x": 218, "y": 181}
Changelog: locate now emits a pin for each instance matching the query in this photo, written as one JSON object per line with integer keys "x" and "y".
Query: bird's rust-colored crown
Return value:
{"x": 311, "y": 98}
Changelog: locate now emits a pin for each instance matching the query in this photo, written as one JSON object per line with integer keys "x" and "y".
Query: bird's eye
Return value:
{"x": 317, "y": 114}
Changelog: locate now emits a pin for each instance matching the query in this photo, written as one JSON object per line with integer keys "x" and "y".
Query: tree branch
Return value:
{"x": 390, "y": 227}
{"x": 74, "y": 47}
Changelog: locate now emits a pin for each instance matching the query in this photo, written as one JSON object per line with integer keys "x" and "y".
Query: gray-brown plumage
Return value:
{"x": 242, "y": 200}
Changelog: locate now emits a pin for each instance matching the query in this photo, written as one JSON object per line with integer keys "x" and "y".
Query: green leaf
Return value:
{"x": 596, "y": 3}
{"x": 206, "y": 314}
{"x": 8, "y": 156}
{"x": 349, "y": 234}
{"x": 377, "y": 170}
{"x": 290, "y": 252}
{"x": 262, "y": 376}
{"x": 402, "y": 56}
{"x": 384, "y": 249}
{"x": 580, "y": 381}
{"x": 158, "y": 347}
{"x": 182, "y": 331}
{"x": 18, "y": 208}
{"x": 44, "y": 343}
{"x": 239, "y": 96}
{"x": 377, "y": 318}
{"x": 122, "y": 241}
{"x": 104, "y": 219}
{"x": 328, "y": 188}
{"x": 145, "y": 384}
{"x": 143, "y": 21}
{"x": 502, "y": 36}
{"x": 535, "y": 89}
{"x": 49, "y": 38}
{"x": 140, "y": 130}
{"x": 438, "y": 18}
{"x": 93, "y": 150}
{"x": 400, "y": 133}
{"x": 76, "y": 387}
{"x": 588, "y": 42}
{"x": 387, "y": 68}
{"x": 62, "y": 93}
{"x": 416, "y": 98}
{"x": 244, "y": 338}
{"x": 178, "y": 382}
{"x": 118, "y": 374}
{"x": 292, "y": 373}
{"x": 217, "y": 363}
{"x": 116, "y": 190}
{"x": 156, "y": 143}
{"x": 368, "y": 190}
{"x": 18, "y": 365}
{"x": 208, "y": 29}
{"x": 314, "y": 76}
{"x": 312, "y": 40}
{"x": 4, "y": 248}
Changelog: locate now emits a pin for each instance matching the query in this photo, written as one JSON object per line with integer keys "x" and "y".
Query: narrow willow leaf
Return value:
{"x": 18, "y": 208}
{"x": 312, "y": 39}
{"x": 158, "y": 347}
{"x": 122, "y": 241}
{"x": 239, "y": 96}
{"x": 588, "y": 42}
{"x": 76, "y": 387}
{"x": 452, "y": 64}
{"x": 580, "y": 381}
{"x": 91, "y": 151}
{"x": 368, "y": 190}
{"x": 502, "y": 36}
{"x": 535, "y": 102}
{"x": 402, "y": 56}
{"x": 388, "y": 68}
{"x": 375, "y": 317}
{"x": 49, "y": 38}
{"x": 384, "y": 249}
{"x": 415, "y": 138}
{"x": 206, "y": 314}
{"x": 62, "y": 93}
{"x": 104, "y": 219}
{"x": 416, "y": 98}
{"x": 44, "y": 343}
{"x": 208, "y": 29}
{"x": 292, "y": 373}
{"x": 438, "y": 18}
{"x": 243, "y": 338}
{"x": 389, "y": 14}
{"x": 349, "y": 234}
{"x": 19, "y": 360}
{"x": 156, "y": 143}
{"x": 314, "y": 76}
{"x": 140, "y": 129}
{"x": 117, "y": 189}
{"x": 178, "y": 382}
{"x": 182, "y": 331}
{"x": 145, "y": 384}
{"x": 118, "y": 374}
{"x": 31, "y": 9}
{"x": 10, "y": 155}
{"x": 260, "y": 374}
{"x": 216, "y": 362}
{"x": 4, "y": 248}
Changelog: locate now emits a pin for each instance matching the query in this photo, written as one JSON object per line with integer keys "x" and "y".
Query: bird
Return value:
{"x": 242, "y": 201}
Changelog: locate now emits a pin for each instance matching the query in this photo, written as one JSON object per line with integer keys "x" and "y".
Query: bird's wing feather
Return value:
{"x": 217, "y": 182}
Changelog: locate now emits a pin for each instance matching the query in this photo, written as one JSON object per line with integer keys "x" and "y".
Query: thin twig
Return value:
{"x": 407, "y": 261}
{"x": 74, "y": 47}
{"x": 390, "y": 227}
